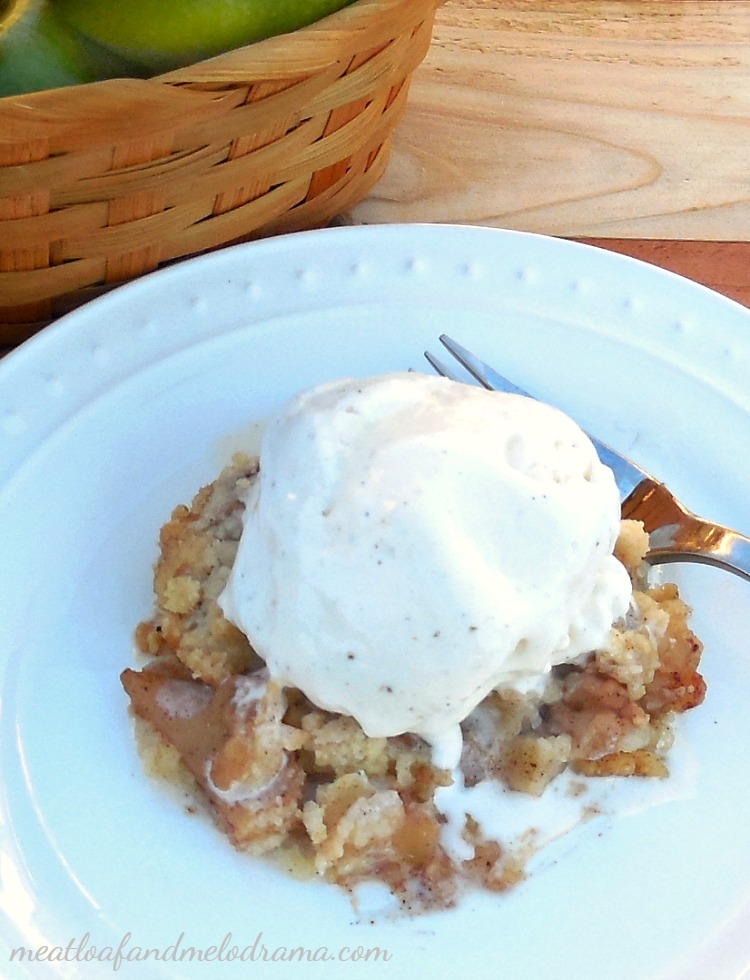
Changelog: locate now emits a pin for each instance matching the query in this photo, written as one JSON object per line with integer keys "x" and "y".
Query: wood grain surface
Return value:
{"x": 582, "y": 119}
{"x": 624, "y": 123}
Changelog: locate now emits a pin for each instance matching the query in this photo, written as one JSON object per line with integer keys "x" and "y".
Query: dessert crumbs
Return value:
{"x": 282, "y": 777}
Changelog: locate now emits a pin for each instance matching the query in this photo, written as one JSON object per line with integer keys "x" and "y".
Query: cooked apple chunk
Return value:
{"x": 233, "y": 741}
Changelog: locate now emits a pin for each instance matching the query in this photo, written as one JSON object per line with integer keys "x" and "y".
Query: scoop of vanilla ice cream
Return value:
{"x": 412, "y": 543}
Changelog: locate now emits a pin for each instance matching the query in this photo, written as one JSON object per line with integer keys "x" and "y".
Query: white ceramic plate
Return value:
{"x": 124, "y": 408}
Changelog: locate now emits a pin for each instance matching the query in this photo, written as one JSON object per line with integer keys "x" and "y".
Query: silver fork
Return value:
{"x": 676, "y": 533}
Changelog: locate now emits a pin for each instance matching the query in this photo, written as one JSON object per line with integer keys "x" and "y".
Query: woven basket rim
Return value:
{"x": 315, "y": 46}
{"x": 101, "y": 183}
{"x": 305, "y": 51}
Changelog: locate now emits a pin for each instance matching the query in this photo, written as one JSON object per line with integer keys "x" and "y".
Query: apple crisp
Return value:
{"x": 281, "y": 775}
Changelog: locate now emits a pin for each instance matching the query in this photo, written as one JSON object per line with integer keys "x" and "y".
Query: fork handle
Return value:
{"x": 696, "y": 540}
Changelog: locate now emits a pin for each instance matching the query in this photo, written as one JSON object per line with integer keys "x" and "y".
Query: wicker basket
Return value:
{"x": 101, "y": 183}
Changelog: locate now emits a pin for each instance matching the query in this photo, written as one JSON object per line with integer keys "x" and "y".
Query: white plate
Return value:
{"x": 121, "y": 410}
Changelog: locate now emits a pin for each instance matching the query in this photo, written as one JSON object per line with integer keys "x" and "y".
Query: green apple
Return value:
{"x": 39, "y": 51}
{"x": 165, "y": 34}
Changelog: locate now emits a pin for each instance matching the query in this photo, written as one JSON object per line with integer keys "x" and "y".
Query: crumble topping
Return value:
{"x": 280, "y": 774}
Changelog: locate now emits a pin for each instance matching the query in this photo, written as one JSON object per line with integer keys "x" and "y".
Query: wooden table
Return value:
{"x": 625, "y": 123}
